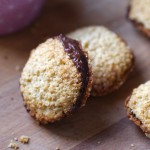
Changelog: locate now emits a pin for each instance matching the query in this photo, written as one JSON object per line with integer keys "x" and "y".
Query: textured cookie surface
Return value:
{"x": 111, "y": 59}
{"x": 51, "y": 84}
{"x": 139, "y": 13}
{"x": 138, "y": 107}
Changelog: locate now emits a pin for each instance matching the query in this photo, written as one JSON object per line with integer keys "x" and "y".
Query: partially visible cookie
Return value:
{"x": 139, "y": 14}
{"x": 138, "y": 107}
{"x": 56, "y": 80}
{"x": 111, "y": 58}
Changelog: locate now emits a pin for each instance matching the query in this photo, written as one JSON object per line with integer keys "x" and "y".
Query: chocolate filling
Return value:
{"x": 131, "y": 114}
{"x": 133, "y": 117}
{"x": 74, "y": 51}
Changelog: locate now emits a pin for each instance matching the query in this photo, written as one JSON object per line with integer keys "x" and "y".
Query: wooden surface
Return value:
{"x": 102, "y": 124}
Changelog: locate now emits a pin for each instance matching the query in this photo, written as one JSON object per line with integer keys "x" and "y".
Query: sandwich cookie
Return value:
{"x": 56, "y": 80}
{"x": 138, "y": 107}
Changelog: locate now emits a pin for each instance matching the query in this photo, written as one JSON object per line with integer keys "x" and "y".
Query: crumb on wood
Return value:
{"x": 57, "y": 148}
{"x": 24, "y": 139}
{"x": 13, "y": 145}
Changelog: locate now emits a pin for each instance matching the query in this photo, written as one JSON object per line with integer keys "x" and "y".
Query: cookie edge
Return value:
{"x": 138, "y": 25}
{"x": 133, "y": 118}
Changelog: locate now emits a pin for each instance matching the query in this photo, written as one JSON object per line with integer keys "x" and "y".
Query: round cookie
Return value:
{"x": 138, "y": 107}
{"x": 138, "y": 13}
{"x": 56, "y": 79}
{"x": 110, "y": 57}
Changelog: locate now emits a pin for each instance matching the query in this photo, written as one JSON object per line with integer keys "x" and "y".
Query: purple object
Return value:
{"x": 16, "y": 14}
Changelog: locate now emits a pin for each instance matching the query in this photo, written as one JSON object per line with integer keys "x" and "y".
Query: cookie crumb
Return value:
{"x": 24, "y": 139}
{"x": 13, "y": 145}
{"x": 132, "y": 145}
{"x": 57, "y": 148}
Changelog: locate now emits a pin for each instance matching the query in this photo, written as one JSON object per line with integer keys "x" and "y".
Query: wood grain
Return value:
{"x": 102, "y": 124}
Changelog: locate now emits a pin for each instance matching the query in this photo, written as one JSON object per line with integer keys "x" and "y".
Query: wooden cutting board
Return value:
{"x": 102, "y": 124}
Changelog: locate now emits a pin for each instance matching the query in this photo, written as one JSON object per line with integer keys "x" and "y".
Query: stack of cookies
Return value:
{"x": 64, "y": 71}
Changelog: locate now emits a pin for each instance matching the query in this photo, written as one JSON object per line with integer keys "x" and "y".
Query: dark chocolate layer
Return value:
{"x": 74, "y": 51}
{"x": 133, "y": 117}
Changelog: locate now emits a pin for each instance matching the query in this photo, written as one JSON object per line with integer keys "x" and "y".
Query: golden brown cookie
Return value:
{"x": 110, "y": 57}
{"x": 56, "y": 79}
{"x": 138, "y": 13}
{"x": 138, "y": 107}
